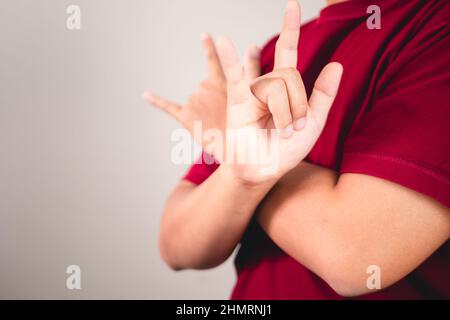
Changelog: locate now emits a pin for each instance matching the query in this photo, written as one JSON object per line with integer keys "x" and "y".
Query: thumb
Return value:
{"x": 251, "y": 63}
{"x": 167, "y": 106}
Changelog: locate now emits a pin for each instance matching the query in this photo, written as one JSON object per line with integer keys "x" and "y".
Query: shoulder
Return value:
{"x": 429, "y": 17}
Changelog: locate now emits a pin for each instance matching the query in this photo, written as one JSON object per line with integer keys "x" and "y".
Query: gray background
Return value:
{"x": 85, "y": 163}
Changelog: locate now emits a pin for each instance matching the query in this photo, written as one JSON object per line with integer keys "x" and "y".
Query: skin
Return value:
{"x": 208, "y": 104}
{"x": 329, "y": 2}
{"x": 336, "y": 225}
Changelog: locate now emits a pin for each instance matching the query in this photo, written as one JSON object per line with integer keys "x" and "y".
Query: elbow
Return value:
{"x": 177, "y": 257}
{"x": 167, "y": 256}
{"x": 178, "y": 262}
{"x": 169, "y": 245}
{"x": 347, "y": 288}
{"x": 169, "y": 248}
{"x": 350, "y": 279}
{"x": 173, "y": 265}
{"x": 349, "y": 274}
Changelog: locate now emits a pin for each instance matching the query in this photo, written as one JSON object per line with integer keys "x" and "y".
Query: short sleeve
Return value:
{"x": 405, "y": 135}
{"x": 201, "y": 169}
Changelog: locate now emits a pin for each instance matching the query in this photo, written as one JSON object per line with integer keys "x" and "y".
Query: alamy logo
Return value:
{"x": 73, "y": 21}
{"x": 73, "y": 281}
{"x": 374, "y": 20}
{"x": 374, "y": 281}
{"x": 234, "y": 146}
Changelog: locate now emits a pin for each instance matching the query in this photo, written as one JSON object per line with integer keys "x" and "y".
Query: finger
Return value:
{"x": 298, "y": 99}
{"x": 273, "y": 93}
{"x": 286, "y": 48}
{"x": 238, "y": 87}
{"x": 325, "y": 91}
{"x": 251, "y": 63}
{"x": 170, "y": 107}
{"x": 212, "y": 58}
{"x": 278, "y": 103}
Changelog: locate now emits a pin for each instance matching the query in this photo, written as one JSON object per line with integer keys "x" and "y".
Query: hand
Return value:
{"x": 299, "y": 122}
{"x": 208, "y": 104}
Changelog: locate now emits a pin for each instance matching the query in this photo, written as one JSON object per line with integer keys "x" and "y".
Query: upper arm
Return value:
{"x": 394, "y": 184}
{"x": 338, "y": 226}
{"x": 387, "y": 225}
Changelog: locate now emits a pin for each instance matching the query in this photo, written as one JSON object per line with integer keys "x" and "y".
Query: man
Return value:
{"x": 361, "y": 187}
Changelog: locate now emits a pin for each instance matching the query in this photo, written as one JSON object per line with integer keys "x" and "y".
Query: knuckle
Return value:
{"x": 284, "y": 44}
{"x": 293, "y": 73}
{"x": 277, "y": 85}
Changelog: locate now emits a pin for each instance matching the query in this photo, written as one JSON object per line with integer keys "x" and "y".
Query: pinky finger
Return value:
{"x": 325, "y": 91}
{"x": 170, "y": 107}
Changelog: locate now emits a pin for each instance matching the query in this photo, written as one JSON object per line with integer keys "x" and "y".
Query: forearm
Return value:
{"x": 338, "y": 226}
{"x": 296, "y": 214}
{"x": 202, "y": 225}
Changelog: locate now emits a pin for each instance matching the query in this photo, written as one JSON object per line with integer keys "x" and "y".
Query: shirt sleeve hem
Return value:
{"x": 201, "y": 170}
{"x": 412, "y": 174}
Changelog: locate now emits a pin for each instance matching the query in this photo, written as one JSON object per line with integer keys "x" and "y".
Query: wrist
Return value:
{"x": 232, "y": 175}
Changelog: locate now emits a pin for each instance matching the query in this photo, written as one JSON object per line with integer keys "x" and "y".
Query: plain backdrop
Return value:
{"x": 85, "y": 164}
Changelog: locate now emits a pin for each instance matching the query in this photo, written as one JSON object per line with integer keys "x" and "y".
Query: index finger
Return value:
{"x": 286, "y": 48}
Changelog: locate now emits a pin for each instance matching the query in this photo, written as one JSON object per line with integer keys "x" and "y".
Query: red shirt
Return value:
{"x": 391, "y": 119}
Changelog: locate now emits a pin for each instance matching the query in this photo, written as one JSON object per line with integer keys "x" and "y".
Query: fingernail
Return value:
{"x": 299, "y": 124}
{"x": 286, "y": 132}
{"x": 204, "y": 36}
{"x": 148, "y": 96}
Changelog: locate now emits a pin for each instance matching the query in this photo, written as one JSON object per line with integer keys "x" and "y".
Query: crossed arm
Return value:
{"x": 336, "y": 225}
